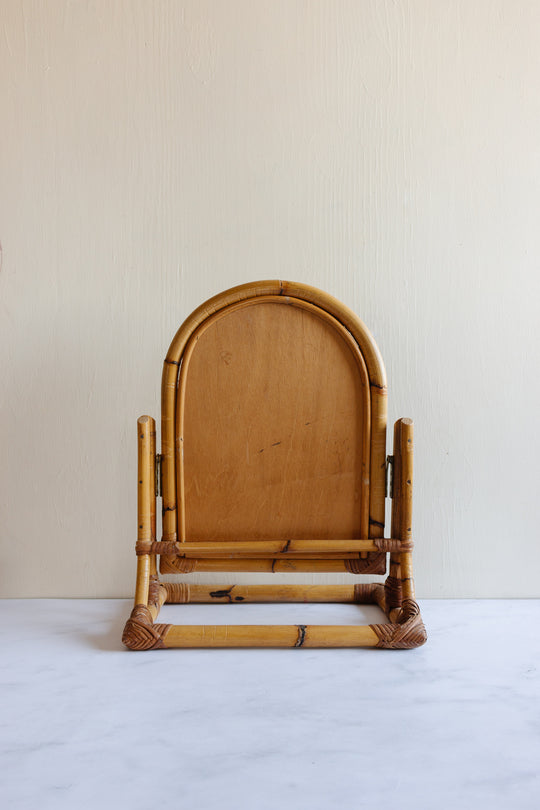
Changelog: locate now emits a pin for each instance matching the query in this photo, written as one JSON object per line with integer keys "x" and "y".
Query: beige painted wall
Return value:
{"x": 155, "y": 153}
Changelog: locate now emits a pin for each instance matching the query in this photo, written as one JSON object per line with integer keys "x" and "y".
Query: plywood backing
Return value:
{"x": 273, "y": 426}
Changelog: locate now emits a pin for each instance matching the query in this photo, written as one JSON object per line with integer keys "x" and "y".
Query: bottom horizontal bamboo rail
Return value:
{"x": 272, "y": 635}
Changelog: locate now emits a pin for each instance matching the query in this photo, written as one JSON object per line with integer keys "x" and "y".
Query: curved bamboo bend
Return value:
{"x": 404, "y": 629}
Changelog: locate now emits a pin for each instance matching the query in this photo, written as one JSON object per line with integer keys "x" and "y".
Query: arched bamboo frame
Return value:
{"x": 353, "y": 329}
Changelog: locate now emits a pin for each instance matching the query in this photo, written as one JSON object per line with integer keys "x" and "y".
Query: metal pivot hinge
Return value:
{"x": 389, "y": 487}
{"x": 157, "y": 483}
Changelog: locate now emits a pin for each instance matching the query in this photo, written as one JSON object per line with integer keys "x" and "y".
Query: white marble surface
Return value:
{"x": 87, "y": 724}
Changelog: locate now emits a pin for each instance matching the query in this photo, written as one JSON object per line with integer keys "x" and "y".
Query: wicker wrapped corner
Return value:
{"x": 273, "y": 459}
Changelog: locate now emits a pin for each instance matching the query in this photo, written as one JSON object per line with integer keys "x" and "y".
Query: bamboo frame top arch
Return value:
{"x": 326, "y": 306}
{"x": 304, "y": 292}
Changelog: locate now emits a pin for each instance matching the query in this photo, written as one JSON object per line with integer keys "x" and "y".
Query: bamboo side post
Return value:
{"x": 378, "y": 396}
{"x": 268, "y": 565}
{"x": 197, "y": 465}
{"x": 146, "y": 504}
{"x": 402, "y": 502}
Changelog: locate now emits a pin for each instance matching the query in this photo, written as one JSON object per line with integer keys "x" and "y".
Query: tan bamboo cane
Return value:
{"x": 146, "y": 504}
{"x": 269, "y": 636}
{"x": 266, "y": 548}
{"x": 183, "y": 593}
{"x": 185, "y": 565}
{"x": 168, "y": 461}
{"x": 253, "y": 290}
{"x": 402, "y": 503}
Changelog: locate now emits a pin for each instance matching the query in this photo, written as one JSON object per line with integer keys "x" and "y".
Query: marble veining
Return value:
{"x": 87, "y": 724}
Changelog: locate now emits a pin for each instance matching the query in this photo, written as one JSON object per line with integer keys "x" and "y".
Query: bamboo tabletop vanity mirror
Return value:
{"x": 273, "y": 459}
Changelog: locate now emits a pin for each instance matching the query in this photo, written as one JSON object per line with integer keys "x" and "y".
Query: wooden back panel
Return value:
{"x": 273, "y": 426}
{"x": 274, "y": 420}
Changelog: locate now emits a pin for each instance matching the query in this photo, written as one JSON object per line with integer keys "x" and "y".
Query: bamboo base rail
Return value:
{"x": 405, "y": 629}
{"x": 270, "y": 636}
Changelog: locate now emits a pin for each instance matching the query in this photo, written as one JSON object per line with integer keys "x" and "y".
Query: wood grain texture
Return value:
{"x": 184, "y": 593}
{"x": 146, "y": 503}
{"x": 280, "y": 548}
{"x": 273, "y": 427}
{"x": 403, "y": 499}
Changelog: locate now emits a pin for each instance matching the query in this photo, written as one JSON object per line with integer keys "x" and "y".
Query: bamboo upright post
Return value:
{"x": 146, "y": 503}
{"x": 399, "y": 587}
{"x": 402, "y": 502}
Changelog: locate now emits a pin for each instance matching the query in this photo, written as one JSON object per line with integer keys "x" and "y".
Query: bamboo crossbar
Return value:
{"x": 146, "y": 503}
{"x": 189, "y": 593}
{"x": 353, "y": 564}
{"x": 274, "y": 548}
